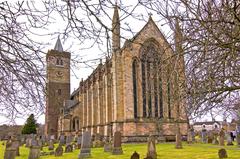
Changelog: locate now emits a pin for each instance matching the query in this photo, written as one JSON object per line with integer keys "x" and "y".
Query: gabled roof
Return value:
{"x": 58, "y": 45}
{"x": 148, "y": 24}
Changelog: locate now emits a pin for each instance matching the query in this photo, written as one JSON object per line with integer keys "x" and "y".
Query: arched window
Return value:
{"x": 151, "y": 79}
{"x": 134, "y": 77}
{"x": 169, "y": 98}
{"x": 59, "y": 62}
{"x": 144, "y": 89}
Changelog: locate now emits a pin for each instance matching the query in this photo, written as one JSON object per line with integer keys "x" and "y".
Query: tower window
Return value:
{"x": 59, "y": 62}
{"x": 59, "y": 91}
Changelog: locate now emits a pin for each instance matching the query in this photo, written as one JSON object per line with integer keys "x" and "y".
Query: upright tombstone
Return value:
{"x": 85, "y": 150}
{"x": 221, "y": 137}
{"x": 192, "y": 134}
{"x": 229, "y": 139}
{"x": 117, "y": 143}
{"x": 16, "y": 144}
{"x": 189, "y": 137}
{"x": 62, "y": 139}
{"x": 238, "y": 134}
{"x": 204, "y": 135}
{"x": 59, "y": 150}
{"x": 222, "y": 153}
{"x": 215, "y": 137}
{"x": 135, "y": 155}
{"x": 79, "y": 141}
{"x": 10, "y": 151}
{"x": 51, "y": 145}
{"x": 69, "y": 148}
{"x": 34, "y": 152}
{"x": 98, "y": 141}
{"x": 107, "y": 145}
{"x": 68, "y": 140}
{"x": 210, "y": 137}
{"x": 151, "y": 152}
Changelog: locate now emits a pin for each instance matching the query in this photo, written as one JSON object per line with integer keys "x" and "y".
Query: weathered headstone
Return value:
{"x": 151, "y": 152}
{"x": 192, "y": 134}
{"x": 189, "y": 137}
{"x": 10, "y": 151}
{"x": 28, "y": 142}
{"x": 68, "y": 140}
{"x": 210, "y": 137}
{"x": 222, "y": 153}
{"x": 34, "y": 152}
{"x": 62, "y": 139}
{"x": 215, "y": 137}
{"x": 204, "y": 135}
{"x": 135, "y": 155}
{"x": 79, "y": 141}
{"x": 16, "y": 144}
{"x": 51, "y": 145}
{"x": 229, "y": 139}
{"x": 221, "y": 137}
{"x": 85, "y": 150}
{"x": 69, "y": 148}
{"x": 59, "y": 150}
{"x": 98, "y": 141}
{"x": 107, "y": 145}
{"x": 117, "y": 143}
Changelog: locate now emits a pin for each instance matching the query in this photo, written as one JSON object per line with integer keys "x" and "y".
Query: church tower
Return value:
{"x": 57, "y": 85}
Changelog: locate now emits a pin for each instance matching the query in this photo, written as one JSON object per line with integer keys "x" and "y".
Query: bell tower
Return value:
{"x": 57, "y": 86}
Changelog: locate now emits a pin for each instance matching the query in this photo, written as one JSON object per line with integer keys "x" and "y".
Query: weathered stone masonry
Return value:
{"x": 134, "y": 91}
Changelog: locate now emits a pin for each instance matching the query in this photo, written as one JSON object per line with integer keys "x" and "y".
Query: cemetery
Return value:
{"x": 201, "y": 146}
{"x": 125, "y": 79}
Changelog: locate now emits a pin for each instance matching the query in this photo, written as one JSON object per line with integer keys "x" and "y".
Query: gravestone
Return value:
{"x": 221, "y": 137}
{"x": 135, "y": 155}
{"x": 107, "y": 145}
{"x": 51, "y": 145}
{"x": 151, "y": 151}
{"x": 222, "y": 153}
{"x": 85, "y": 150}
{"x": 79, "y": 141}
{"x": 204, "y": 135}
{"x": 68, "y": 140}
{"x": 98, "y": 141}
{"x": 69, "y": 148}
{"x": 238, "y": 139}
{"x": 10, "y": 151}
{"x": 74, "y": 146}
{"x": 28, "y": 142}
{"x": 117, "y": 143}
{"x": 192, "y": 134}
{"x": 189, "y": 137}
{"x": 210, "y": 137}
{"x": 59, "y": 150}
{"x": 62, "y": 139}
{"x": 16, "y": 144}
{"x": 22, "y": 141}
{"x": 215, "y": 137}
{"x": 34, "y": 152}
{"x": 229, "y": 139}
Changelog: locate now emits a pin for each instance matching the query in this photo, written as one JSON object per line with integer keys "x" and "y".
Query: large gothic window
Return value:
{"x": 135, "y": 100}
{"x": 151, "y": 80}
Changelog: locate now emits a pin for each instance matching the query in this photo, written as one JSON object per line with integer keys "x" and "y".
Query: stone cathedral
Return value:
{"x": 136, "y": 91}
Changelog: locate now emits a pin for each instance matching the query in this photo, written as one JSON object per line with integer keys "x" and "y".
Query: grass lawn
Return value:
{"x": 164, "y": 151}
